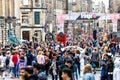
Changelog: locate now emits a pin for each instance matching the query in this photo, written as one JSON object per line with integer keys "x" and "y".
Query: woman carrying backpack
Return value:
{"x": 21, "y": 64}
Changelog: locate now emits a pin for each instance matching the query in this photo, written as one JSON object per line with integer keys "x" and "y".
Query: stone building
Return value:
{"x": 39, "y": 17}
{"x": 114, "y": 7}
{"x": 54, "y": 7}
{"x": 76, "y": 7}
{"x": 32, "y": 17}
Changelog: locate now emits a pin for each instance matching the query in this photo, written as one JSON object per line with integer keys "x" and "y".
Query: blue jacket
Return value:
{"x": 103, "y": 70}
{"x": 88, "y": 76}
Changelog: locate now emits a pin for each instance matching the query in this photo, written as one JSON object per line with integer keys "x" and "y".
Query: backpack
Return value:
{"x": 7, "y": 60}
{"x": 42, "y": 76}
{"x": 29, "y": 57}
{"x": 21, "y": 65}
{"x": 77, "y": 59}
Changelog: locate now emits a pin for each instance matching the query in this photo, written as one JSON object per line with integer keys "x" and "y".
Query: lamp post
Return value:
{"x": 2, "y": 27}
{"x": 94, "y": 16}
{"x": 9, "y": 21}
{"x": 14, "y": 23}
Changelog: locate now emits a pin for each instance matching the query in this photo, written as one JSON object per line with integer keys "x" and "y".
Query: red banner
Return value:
{"x": 61, "y": 39}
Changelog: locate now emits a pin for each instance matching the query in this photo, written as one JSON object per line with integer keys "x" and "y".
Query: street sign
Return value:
{"x": 86, "y": 15}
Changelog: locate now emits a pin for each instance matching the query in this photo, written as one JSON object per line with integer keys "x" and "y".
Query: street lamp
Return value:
{"x": 2, "y": 26}
{"x": 14, "y": 23}
{"x": 9, "y": 21}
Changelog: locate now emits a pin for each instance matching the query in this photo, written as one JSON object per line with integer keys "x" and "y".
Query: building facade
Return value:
{"x": 33, "y": 16}
{"x": 54, "y": 7}
{"x": 78, "y": 7}
{"x": 99, "y": 8}
{"x": 114, "y": 7}
{"x": 38, "y": 17}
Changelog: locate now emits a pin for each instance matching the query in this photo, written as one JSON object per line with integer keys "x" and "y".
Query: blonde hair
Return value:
{"x": 40, "y": 52}
{"x": 103, "y": 55}
{"x": 8, "y": 52}
{"x": 88, "y": 68}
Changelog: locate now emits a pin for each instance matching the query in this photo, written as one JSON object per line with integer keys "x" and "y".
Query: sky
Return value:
{"x": 106, "y": 2}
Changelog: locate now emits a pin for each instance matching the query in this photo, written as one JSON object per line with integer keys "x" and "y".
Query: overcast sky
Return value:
{"x": 105, "y": 1}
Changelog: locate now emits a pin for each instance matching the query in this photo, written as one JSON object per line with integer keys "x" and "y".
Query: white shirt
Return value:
{"x": 116, "y": 72}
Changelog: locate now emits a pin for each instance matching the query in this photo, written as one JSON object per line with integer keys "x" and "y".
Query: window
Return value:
{"x": 83, "y": 8}
{"x": 25, "y": 2}
{"x": 25, "y": 19}
{"x": 37, "y": 3}
{"x": 37, "y": 17}
{"x": 73, "y": 1}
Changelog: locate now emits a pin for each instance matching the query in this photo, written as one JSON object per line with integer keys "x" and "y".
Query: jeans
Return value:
{"x": 76, "y": 72}
{"x": 42, "y": 67}
{"x": 109, "y": 77}
{"x": 14, "y": 71}
{"x": 33, "y": 62}
{"x": 54, "y": 77}
{"x": 78, "y": 65}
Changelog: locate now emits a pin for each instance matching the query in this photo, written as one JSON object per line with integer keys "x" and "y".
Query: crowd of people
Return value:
{"x": 40, "y": 61}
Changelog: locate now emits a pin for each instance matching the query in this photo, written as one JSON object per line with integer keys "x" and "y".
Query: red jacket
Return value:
{"x": 15, "y": 58}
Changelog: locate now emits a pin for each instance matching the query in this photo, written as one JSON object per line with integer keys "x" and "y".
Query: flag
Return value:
{"x": 61, "y": 18}
{"x": 61, "y": 39}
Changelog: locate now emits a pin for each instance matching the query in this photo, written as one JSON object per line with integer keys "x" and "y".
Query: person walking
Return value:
{"x": 41, "y": 75}
{"x": 110, "y": 67}
{"x": 116, "y": 72}
{"x": 1, "y": 65}
{"x": 87, "y": 73}
{"x": 29, "y": 57}
{"x": 41, "y": 60}
{"x": 104, "y": 67}
{"x": 95, "y": 60}
{"x": 15, "y": 59}
{"x": 29, "y": 73}
{"x": 66, "y": 74}
{"x": 53, "y": 69}
{"x": 21, "y": 64}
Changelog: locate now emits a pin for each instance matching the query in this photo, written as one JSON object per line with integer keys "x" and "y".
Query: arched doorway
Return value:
{"x": 26, "y": 35}
{"x": 49, "y": 37}
{"x": 38, "y": 36}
